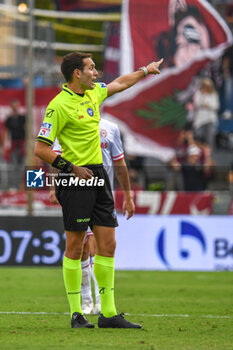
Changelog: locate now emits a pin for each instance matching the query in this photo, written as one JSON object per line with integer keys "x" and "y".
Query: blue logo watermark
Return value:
{"x": 35, "y": 178}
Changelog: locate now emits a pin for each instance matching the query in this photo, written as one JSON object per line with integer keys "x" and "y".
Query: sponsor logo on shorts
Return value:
{"x": 83, "y": 220}
{"x": 114, "y": 213}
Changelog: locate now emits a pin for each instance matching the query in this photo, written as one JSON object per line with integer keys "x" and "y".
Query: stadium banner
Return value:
{"x": 145, "y": 242}
{"x": 184, "y": 243}
{"x": 146, "y": 202}
{"x": 189, "y": 35}
{"x": 170, "y": 202}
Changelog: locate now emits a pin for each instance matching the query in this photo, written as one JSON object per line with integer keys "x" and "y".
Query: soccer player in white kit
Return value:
{"x": 113, "y": 161}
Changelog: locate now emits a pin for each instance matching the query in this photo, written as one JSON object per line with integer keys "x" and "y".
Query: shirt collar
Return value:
{"x": 65, "y": 88}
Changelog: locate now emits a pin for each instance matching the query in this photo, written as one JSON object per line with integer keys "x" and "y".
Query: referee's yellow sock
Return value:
{"x": 104, "y": 273}
{"x": 72, "y": 274}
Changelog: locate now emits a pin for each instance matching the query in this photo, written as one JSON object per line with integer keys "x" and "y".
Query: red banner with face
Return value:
{"x": 188, "y": 35}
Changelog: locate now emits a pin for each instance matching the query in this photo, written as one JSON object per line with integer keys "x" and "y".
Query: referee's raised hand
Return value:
{"x": 82, "y": 172}
{"x": 153, "y": 67}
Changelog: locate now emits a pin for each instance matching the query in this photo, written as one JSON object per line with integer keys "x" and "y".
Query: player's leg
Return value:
{"x": 104, "y": 272}
{"x": 104, "y": 222}
{"x": 87, "y": 301}
{"x": 77, "y": 206}
{"x": 104, "y": 267}
{"x": 92, "y": 245}
{"x": 72, "y": 274}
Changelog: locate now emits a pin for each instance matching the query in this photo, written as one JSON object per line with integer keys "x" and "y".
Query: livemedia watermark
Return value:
{"x": 40, "y": 179}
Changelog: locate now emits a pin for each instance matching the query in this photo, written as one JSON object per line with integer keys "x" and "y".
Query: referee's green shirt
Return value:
{"x": 74, "y": 120}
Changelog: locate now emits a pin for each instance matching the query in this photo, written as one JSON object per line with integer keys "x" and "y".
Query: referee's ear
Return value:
{"x": 77, "y": 73}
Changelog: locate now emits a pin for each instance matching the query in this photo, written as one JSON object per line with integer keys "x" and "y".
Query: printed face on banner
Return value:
{"x": 173, "y": 29}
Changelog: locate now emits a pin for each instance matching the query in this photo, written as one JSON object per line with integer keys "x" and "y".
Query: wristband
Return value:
{"x": 145, "y": 70}
{"x": 62, "y": 164}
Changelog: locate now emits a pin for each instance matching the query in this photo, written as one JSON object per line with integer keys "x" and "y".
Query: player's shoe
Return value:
{"x": 87, "y": 307}
{"x": 117, "y": 321}
{"x": 97, "y": 309}
{"x": 79, "y": 321}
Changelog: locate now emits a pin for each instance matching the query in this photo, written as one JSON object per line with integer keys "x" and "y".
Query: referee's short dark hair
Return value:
{"x": 72, "y": 61}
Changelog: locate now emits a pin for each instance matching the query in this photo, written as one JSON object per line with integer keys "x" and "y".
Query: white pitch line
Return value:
{"x": 167, "y": 315}
{"x": 32, "y": 313}
{"x": 141, "y": 315}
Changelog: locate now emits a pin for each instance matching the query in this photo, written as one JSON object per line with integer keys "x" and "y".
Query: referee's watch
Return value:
{"x": 145, "y": 70}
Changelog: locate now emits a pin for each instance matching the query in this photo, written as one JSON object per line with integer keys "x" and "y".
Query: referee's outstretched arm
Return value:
{"x": 126, "y": 81}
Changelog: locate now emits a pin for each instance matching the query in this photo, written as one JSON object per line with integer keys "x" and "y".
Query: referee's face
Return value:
{"x": 88, "y": 75}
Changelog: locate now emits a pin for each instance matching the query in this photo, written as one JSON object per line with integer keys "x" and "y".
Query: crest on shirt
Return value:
{"x": 90, "y": 112}
{"x": 49, "y": 112}
{"x": 102, "y": 85}
{"x": 103, "y": 133}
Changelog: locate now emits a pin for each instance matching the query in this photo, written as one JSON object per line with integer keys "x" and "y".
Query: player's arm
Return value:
{"x": 122, "y": 175}
{"x": 44, "y": 152}
{"x": 126, "y": 81}
{"x": 52, "y": 192}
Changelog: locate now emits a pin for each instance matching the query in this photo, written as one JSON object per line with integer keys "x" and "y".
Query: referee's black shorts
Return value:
{"x": 85, "y": 206}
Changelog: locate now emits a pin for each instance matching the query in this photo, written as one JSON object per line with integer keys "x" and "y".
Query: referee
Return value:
{"x": 73, "y": 117}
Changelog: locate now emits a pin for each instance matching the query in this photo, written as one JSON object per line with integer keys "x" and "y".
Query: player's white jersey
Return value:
{"x": 111, "y": 146}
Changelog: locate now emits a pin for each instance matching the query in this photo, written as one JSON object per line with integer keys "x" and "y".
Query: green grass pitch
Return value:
{"x": 178, "y": 310}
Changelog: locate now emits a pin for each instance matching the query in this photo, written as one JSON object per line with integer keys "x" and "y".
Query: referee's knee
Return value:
{"x": 73, "y": 253}
{"x": 112, "y": 247}
{"x": 107, "y": 248}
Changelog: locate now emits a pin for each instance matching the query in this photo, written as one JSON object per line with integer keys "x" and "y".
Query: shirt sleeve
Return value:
{"x": 117, "y": 148}
{"x": 56, "y": 147}
{"x": 51, "y": 126}
{"x": 101, "y": 92}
